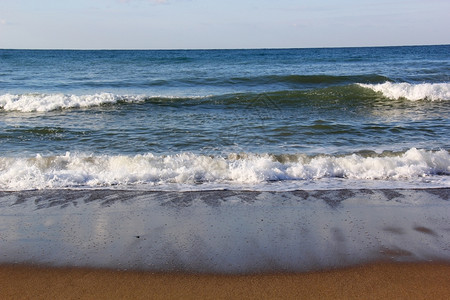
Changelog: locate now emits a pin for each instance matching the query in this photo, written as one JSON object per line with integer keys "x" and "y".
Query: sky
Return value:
{"x": 211, "y": 24}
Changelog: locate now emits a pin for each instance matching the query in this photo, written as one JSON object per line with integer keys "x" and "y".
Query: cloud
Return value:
{"x": 3, "y": 22}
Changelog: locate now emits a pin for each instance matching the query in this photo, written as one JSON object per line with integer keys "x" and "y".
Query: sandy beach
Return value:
{"x": 336, "y": 244}
{"x": 374, "y": 281}
{"x": 211, "y": 158}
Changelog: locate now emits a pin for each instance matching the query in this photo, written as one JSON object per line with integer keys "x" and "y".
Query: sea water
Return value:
{"x": 266, "y": 119}
{"x": 225, "y": 161}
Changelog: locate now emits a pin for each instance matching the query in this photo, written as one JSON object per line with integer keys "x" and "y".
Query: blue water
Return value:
{"x": 225, "y": 118}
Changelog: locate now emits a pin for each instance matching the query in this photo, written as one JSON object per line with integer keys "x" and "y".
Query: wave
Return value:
{"x": 50, "y": 102}
{"x": 297, "y": 81}
{"x": 35, "y": 102}
{"x": 76, "y": 170}
{"x": 291, "y": 81}
{"x": 414, "y": 92}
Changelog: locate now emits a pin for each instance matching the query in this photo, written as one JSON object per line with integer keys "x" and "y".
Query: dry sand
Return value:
{"x": 374, "y": 281}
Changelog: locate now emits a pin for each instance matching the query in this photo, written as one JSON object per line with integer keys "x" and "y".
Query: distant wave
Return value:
{"x": 414, "y": 92}
{"x": 296, "y": 81}
{"x": 290, "y": 81}
{"x": 76, "y": 170}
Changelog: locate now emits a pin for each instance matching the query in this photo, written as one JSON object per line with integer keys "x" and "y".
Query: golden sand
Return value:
{"x": 375, "y": 281}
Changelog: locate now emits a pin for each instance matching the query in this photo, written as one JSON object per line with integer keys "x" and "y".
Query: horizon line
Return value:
{"x": 216, "y": 49}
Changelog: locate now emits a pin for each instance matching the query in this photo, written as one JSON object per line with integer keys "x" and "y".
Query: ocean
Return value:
{"x": 225, "y": 119}
{"x": 189, "y": 129}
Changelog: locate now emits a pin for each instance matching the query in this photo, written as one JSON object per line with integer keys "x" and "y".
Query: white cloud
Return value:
{"x": 3, "y": 22}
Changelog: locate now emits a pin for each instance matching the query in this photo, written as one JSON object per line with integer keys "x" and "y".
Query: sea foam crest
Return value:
{"x": 187, "y": 168}
{"x": 414, "y": 92}
{"x": 49, "y": 102}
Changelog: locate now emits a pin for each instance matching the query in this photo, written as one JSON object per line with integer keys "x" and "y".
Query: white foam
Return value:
{"x": 76, "y": 170}
{"x": 49, "y": 102}
{"x": 414, "y": 92}
{"x": 35, "y": 102}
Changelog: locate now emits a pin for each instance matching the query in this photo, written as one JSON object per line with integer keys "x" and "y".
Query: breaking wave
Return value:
{"x": 414, "y": 92}
{"x": 76, "y": 170}
{"x": 36, "y": 102}
{"x": 49, "y": 102}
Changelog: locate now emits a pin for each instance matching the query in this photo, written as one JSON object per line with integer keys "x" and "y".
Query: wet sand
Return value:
{"x": 360, "y": 244}
{"x": 373, "y": 281}
{"x": 223, "y": 232}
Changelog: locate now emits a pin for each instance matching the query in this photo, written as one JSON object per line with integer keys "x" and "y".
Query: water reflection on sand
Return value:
{"x": 223, "y": 231}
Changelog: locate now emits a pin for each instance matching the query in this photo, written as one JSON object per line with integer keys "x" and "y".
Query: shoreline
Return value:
{"x": 223, "y": 232}
{"x": 371, "y": 281}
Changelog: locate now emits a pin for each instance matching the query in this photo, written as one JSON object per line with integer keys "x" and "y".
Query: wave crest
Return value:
{"x": 50, "y": 102}
{"x": 414, "y": 92}
{"x": 187, "y": 168}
